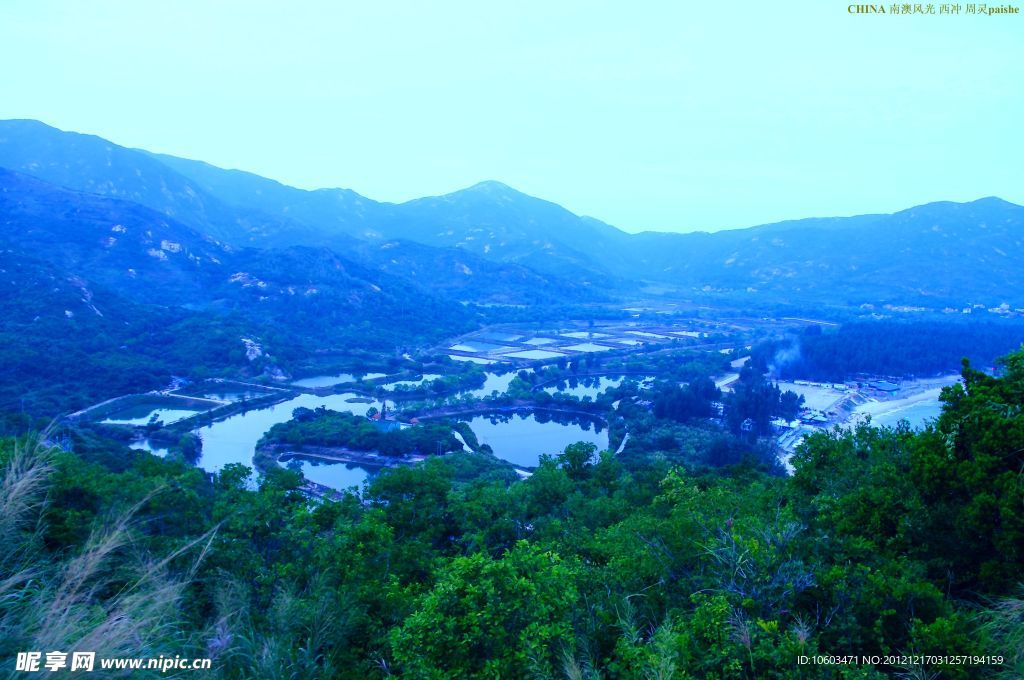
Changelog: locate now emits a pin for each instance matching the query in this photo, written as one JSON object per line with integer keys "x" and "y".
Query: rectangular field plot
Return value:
{"x": 583, "y": 335}
{"x": 535, "y": 354}
{"x": 143, "y": 414}
{"x": 477, "y": 346}
{"x": 588, "y": 347}
{"x": 474, "y": 360}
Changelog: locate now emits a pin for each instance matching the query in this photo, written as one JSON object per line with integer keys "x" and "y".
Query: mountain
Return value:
{"x": 113, "y": 242}
{"x": 94, "y": 165}
{"x": 120, "y": 262}
{"x": 467, "y": 277}
{"x": 939, "y": 253}
{"x": 237, "y": 209}
{"x": 930, "y": 254}
{"x": 490, "y": 219}
{"x": 150, "y": 259}
{"x": 524, "y": 250}
{"x": 500, "y": 223}
{"x": 328, "y": 215}
{"x": 93, "y": 286}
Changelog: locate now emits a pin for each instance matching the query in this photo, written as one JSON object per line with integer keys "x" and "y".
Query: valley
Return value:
{"x": 359, "y": 428}
{"x": 230, "y": 417}
{"x": 517, "y": 405}
{"x": 516, "y": 340}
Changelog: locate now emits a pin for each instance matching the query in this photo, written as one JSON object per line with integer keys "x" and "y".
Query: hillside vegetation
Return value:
{"x": 883, "y": 542}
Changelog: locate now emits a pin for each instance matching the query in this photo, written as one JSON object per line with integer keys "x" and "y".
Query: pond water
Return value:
{"x": 477, "y": 346}
{"x": 583, "y": 335}
{"x": 588, "y": 347}
{"x": 493, "y": 383}
{"x": 593, "y": 386}
{"x": 645, "y": 334}
{"x": 584, "y": 387}
{"x": 520, "y": 438}
{"x": 475, "y": 360}
{"x": 325, "y": 380}
{"x": 329, "y": 380}
{"x": 535, "y": 354}
{"x": 338, "y": 476}
{"x": 233, "y": 440}
{"x": 501, "y": 337}
{"x": 517, "y": 438}
{"x": 145, "y": 445}
{"x": 143, "y": 413}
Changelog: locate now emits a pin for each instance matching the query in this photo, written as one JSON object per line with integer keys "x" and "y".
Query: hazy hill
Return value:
{"x": 112, "y": 242}
{"x": 328, "y": 215}
{"x": 490, "y": 219}
{"x": 522, "y": 249}
{"x": 468, "y": 277}
{"x": 92, "y": 164}
{"x": 498, "y": 222}
{"x": 153, "y": 260}
{"x": 244, "y": 209}
{"x": 939, "y": 253}
{"x": 936, "y": 254}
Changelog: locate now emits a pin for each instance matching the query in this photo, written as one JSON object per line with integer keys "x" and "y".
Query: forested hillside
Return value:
{"x": 883, "y": 542}
{"x": 890, "y": 347}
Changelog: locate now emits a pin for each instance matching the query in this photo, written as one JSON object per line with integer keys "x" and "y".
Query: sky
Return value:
{"x": 665, "y": 116}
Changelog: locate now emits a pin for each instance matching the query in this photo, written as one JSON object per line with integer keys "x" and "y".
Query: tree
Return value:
{"x": 578, "y": 460}
{"x": 509, "y": 617}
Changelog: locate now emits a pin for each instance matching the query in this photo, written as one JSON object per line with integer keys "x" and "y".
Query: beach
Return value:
{"x": 918, "y": 400}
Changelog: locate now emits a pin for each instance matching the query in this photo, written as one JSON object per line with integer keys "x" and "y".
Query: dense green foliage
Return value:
{"x": 51, "y": 362}
{"x": 697, "y": 426}
{"x": 323, "y": 427}
{"x": 888, "y": 348}
{"x": 883, "y": 542}
{"x": 694, "y": 400}
{"x": 754, "y": 402}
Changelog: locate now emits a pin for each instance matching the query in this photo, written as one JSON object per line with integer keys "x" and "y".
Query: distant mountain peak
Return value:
{"x": 489, "y": 190}
{"x": 993, "y": 201}
{"x": 29, "y": 123}
{"x": 491, "y": 185}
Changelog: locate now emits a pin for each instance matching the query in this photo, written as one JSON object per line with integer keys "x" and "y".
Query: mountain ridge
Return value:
{"x": 488, "y": 184}
{"x": 932, "y": 252}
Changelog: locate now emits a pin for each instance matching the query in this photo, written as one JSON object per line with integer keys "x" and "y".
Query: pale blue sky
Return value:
{"x": 648, "y": 115}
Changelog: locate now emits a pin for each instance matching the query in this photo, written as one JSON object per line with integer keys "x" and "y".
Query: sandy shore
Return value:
{"x": 912, "y": 392}
{"x": 907, "y": 386}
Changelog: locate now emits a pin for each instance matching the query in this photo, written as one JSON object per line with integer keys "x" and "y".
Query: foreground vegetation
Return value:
{"x": 883, "y": 542}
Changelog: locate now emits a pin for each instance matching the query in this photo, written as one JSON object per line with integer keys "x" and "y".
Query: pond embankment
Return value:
{"x": 338, "y": 454}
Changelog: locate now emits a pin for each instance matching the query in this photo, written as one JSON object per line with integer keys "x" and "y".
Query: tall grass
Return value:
{"x": 1003, "y": 624}
{"x": 301, "y": 636}
{"x": 110, "y": 597}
